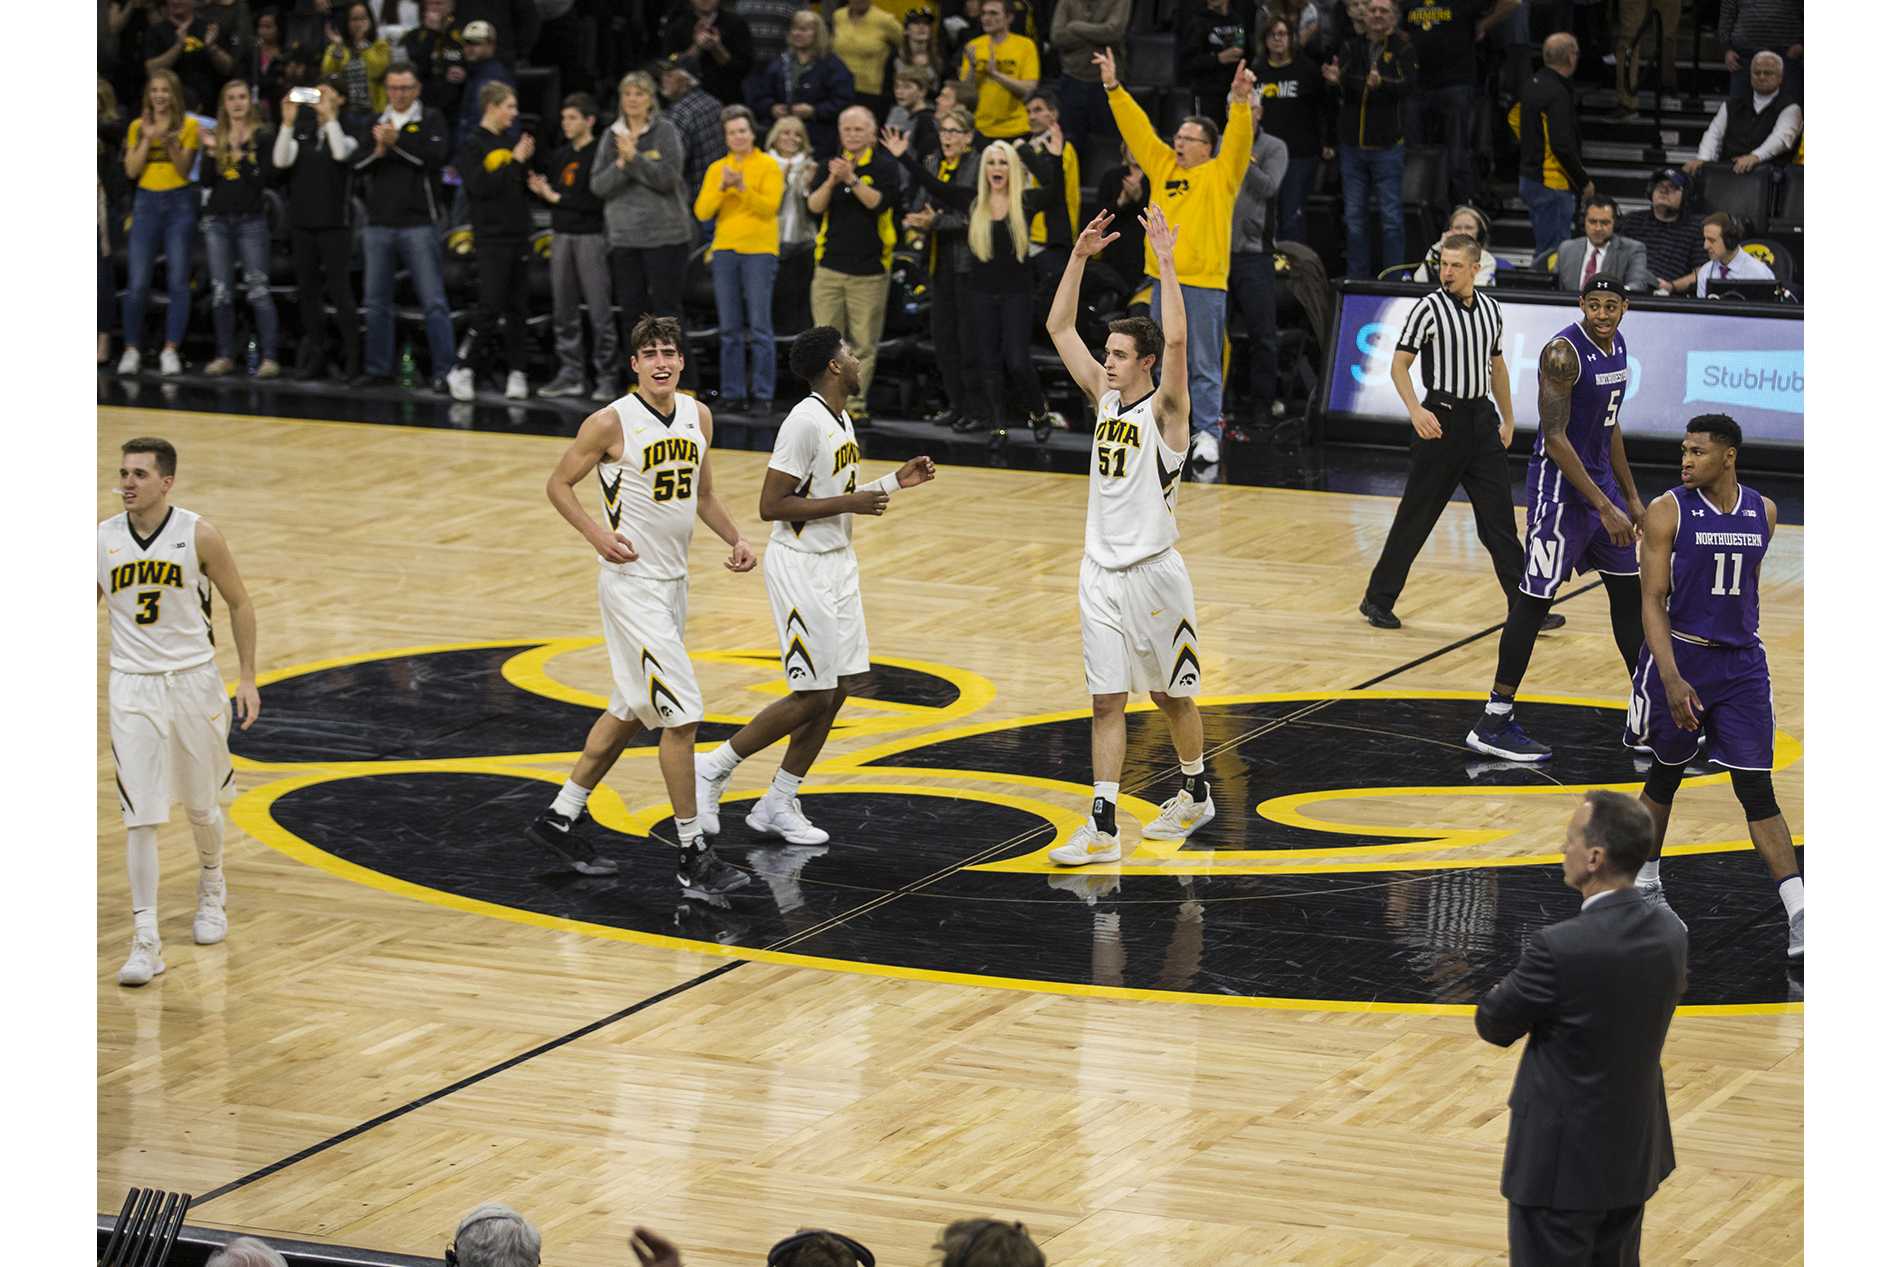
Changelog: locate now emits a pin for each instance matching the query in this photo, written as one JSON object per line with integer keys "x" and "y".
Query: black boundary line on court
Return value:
{"x": 988, "y": 853}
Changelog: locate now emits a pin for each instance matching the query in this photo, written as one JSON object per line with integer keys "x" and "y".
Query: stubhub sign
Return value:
{"x": 1707, "y": 360}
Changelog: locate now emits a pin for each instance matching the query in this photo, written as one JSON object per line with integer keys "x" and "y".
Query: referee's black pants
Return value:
{"x": 1468, "y": 454}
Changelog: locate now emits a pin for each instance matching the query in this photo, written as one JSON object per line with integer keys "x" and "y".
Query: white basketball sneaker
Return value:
{"x": 1181, "y": 815}
{"x": 208, "y": 926}
{"x": 1795, "y": 936}
{"x": 709, "y": 788}
{"x": 782, "y": 816}
{"x": 1087, "y": 846}
{"x": 1652, "y": 894}
{"x": 144, "y": 962}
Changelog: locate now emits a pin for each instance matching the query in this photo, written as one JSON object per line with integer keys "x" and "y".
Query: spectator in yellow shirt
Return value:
{"x": 741, "y": 196}
{"x": 1005, "y": 68}
{"x": 361, "y": 60}
{"x": 159, "y": 148}
{"x": 1196, "y": 183}
{"x": 866, "y": 39}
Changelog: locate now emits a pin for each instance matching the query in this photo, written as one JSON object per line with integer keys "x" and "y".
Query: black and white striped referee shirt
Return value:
{"x": 1455, "y": 343}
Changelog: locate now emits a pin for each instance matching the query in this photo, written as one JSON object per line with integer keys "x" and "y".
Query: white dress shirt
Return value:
{"x": 1740, "y": 267}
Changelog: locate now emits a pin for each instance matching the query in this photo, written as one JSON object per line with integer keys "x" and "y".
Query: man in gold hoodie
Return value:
{"x": 1195, "y": 181}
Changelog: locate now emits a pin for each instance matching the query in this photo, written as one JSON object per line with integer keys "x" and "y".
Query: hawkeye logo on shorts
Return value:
{"x": 147, "y": 572}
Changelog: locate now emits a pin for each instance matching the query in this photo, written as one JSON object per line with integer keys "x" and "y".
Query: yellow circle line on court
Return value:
{"x": 252, "y": 813}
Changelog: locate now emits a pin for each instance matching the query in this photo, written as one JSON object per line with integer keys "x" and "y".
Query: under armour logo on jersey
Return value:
{"x": 1697, "y": 513}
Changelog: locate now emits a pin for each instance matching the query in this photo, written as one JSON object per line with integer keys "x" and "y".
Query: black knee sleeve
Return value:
{"x": 1520, "y": 635}
{"x": 1661, "y": 784}
{"x": 1627, "y": 617}
{"x": 1757, "y": 792}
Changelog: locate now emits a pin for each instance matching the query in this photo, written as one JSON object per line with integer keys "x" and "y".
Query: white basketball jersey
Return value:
{"x": 1133, "y": 476}
{"x": 159, "y": 597}
{"x": 819, "y": 449}
{"x": 651, "y": 495}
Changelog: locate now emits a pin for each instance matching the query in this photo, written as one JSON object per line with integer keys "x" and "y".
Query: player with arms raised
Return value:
{"x": 648, "y": 451}
{"x": 1580, "y": 504}
{"x": 1138, "y": 605}
{"x": 1702, "y": 667}
{"x": 166, "y": 706}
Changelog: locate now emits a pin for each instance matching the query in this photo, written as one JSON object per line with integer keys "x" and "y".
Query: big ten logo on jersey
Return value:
{"x": 847, "y": 455}
{"x": 1114, "y": 438}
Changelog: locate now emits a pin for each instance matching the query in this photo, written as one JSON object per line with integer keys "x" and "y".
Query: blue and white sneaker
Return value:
{"x": 1504, "y": 737}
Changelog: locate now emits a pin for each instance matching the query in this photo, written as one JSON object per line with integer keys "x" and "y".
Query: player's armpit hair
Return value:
{"x": 1756, "y": 792}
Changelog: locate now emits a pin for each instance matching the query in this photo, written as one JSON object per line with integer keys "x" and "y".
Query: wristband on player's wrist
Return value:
{"x": 887, "y": 484}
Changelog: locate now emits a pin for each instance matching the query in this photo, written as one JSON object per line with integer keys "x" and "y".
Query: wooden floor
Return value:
{"x": 781, "y": 1096}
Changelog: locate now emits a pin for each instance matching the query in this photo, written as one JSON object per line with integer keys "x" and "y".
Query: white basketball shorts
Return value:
{"x": 1139, "y": 628}
{"x": 645, "y": 623}
{"x": 819, "y": 615}
{"x": 170, "y": 736}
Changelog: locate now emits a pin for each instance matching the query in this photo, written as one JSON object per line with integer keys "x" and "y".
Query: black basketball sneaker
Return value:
{"x": 558, "y": 834}
{"x": 704, "y": 874}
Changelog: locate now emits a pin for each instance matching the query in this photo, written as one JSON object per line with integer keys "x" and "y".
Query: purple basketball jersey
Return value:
{"x": 1714, "y": 565}
{"x": 1603, "y": 380}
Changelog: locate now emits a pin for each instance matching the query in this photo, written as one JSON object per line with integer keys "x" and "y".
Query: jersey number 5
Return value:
{"x": 148, "y": 607}
{"x": 1610, "y": 407}
{"x": 669, "y": 484}
{"x": 1113, "y": 462}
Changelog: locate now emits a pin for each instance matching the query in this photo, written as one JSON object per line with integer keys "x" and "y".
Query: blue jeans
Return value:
{"x": 1551, "y": 213}
{"x": 159, "y": 217}
{"x": 1207, "y": 313}
{"x": 230, "y": 240}
{"x": 421, "y": 251}
{"x": 1451, "y": 106}
{"x": 742, "y": 287}
{"x": 1292, "y": 199}
{"x": 1376, "y": 171}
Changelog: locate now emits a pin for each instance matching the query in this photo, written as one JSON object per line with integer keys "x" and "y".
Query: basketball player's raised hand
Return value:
{"x": 615, "y": 548}
{"x": 916, "y": 471}
{"x": 1091, "y": 241}
{"x": 742, "y": 558}
{"x": 1685, "y": 707}
{"x": 1160, "y": 233}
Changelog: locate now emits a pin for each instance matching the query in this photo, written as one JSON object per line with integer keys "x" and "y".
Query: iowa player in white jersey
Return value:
{"x": 810, "y": 496}
{"x": 166, "y": 703}
{"x": 1138, "y": 606}
{"x": 648, "y": 451}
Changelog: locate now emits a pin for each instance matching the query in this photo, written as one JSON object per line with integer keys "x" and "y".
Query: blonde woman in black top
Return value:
{"x": 236, "y": 232}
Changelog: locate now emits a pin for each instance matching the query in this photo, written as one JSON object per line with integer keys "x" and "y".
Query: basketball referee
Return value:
{"x": 1460, "y": 434}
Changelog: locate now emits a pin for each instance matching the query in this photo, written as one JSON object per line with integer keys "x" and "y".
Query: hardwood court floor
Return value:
{"x": 767, "y": 1094}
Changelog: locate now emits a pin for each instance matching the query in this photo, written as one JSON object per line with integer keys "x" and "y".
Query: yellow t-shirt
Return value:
{"x": 745, "y": 221}
{"x": 865, "y": 45}
{"x": 1000, "y": 112}
{"x": 159, "y": 174}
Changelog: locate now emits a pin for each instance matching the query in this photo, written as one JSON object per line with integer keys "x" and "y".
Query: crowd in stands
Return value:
{"x": 816, "y": 160}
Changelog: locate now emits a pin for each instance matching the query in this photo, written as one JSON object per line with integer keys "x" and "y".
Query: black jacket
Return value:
{"x": 1203, "y": 36}
{"x": 1549, "y": 148}
{"x": 400, "y": 186}
{"x": 570, "y": 171}
{"x": 317, "y": 185}
{"x": 1294, "y": 105}
{"x": 728, "y": 82}
{"x": 1744, "y": 129}
{"x": 1590, "y": 1128}
{"x": 496, "y": 183}
{"x": 237, "y": 188}
{"x": 1375, "y": 118}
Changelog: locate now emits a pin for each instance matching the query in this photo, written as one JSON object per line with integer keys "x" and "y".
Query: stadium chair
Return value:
{"x": 1425, "y": 197}
{"x": 1787, "y": 221}
{"x": 1747, "y": 197}
{"x": 1546, "y": 259}
{"x": 1399, "y": 272}
{"x": 1778, "y": 257}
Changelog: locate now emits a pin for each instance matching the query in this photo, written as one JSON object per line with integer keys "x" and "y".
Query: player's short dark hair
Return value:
{"x": 1147, "y": 335}
{"x": 651, "y": 331}
{"x": 161, "y": 450}
{"x": 582, "y": 103}
{"x": 1622, "y": 828}
{"x": 1461, "y": 242}
{"x": 813, "y": 1249}
{"x": 1719, "y": 427}
{"x": 987, "y": 1243}
{"x": 813, "y": 350}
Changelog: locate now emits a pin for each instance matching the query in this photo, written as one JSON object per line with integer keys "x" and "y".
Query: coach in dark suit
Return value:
{"x": 1590, "y": 1133}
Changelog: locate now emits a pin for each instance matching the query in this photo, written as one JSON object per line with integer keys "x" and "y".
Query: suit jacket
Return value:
{"x": 1624, "y": 258}
{"x": 1590, "y": 1129}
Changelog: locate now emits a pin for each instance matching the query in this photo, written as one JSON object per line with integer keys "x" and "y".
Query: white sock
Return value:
{"x": 1791, "y": 891}
{"x": 1192, "y": 768}
{"x": 786, "y": 784}
{"x": 722, "y": 760}
{"x": 141, "y": 864}
{"x": 571, "y": 799}
{"x": 1107, "y": 791}
{"x": 689, "y": 829}
{"x": 1496, "y": 707}
{"x": 207, "y": 830}
{"x": 1649, "y": 872}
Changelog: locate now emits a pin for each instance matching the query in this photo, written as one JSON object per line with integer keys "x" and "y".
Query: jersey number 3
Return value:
{"x": 147, "y": 613}
{"x": 669, "y": 484}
